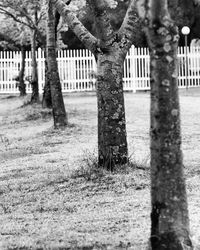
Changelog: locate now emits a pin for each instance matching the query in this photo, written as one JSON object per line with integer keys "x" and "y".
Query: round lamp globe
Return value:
{"x": 185, "y": 30}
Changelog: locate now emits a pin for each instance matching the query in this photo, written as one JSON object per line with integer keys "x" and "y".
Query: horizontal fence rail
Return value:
{"x": 77, "y": 69}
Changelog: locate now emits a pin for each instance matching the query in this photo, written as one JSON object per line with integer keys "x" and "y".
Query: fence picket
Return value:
{"x": 77, "y": 69}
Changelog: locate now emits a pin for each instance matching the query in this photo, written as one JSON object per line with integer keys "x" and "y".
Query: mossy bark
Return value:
{"x": 112, "y": 142}
{"x": 169, "y": 215}
{"x": 59, "y": 113}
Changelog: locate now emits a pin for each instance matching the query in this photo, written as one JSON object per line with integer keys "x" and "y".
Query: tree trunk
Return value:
{"x": 59, "y": 113}
{"x": 109, "y": 48}
{"x": 169, "y": 216}
{"x": 112, "y": 143}
{"x": 46, "y": 99}
{"x": 34, "y": 73}
{"x": 22, "y": 85}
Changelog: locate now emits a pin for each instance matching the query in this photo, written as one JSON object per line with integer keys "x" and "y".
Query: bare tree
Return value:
{"x": 169, "y": 215}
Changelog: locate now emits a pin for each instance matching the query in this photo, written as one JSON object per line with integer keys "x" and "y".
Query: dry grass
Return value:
{"x": 52, "y": 196}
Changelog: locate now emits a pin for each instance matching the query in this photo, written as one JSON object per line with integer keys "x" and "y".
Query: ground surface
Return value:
{"x": 50, "y": 195}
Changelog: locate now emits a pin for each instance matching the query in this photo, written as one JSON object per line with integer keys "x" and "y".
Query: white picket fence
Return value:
{"x": 76, "y": 68}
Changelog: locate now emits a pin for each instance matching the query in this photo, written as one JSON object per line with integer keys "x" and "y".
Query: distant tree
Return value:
{"x": 29, "y": 14}
{"x": 15, "y": 36}
{"x": 59, "y": 113}
{"x": 109, "y": 48}
{"x": 169, "y": 215}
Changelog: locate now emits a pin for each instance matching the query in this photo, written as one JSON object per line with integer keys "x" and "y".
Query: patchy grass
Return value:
{"x": 41, "y": 114}
{"x": 88, "y": 168}
{"x": 35, "y": 112}
{"x": 123, "y": 177}
{"x": 54, "y": 197}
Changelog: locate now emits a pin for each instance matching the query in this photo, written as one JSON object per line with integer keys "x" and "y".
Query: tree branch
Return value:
{"x": 76, "y": 26}
{"x": 33, "y": 24}
{"x": 128, "y": 31}
{"x": 30, "y": 23}
{"x": 103, "y": 26}
{"x": 15, "y": 18}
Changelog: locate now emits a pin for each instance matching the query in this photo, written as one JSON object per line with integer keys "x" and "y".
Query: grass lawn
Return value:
{"x": 51, "y": 197}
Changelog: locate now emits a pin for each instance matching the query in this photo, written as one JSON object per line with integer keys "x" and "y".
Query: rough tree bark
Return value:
{"x": 169, "y": 216}
{"x": 109, "y": 49}
{"x": 59, "y": 113}
{"x": 112, "y": 143}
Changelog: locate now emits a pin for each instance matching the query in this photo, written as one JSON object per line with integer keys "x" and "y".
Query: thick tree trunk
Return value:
{"x": 59, "y": 113}
{"x": 34, "y": 73}
{"x": 109, "y": 49}
{"x": 169, "y": 216}
{"x": 46, "y": 99}
{"x": 112, "y": 143}
{"x": 22, "y": 85}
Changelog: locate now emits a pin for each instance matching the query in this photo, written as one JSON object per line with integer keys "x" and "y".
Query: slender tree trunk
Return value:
{"x": 169, "y": 216}
{"x": 22, "y": 85}
{"x": 46, "y": 99}
{"x": 59, "y": 113}
{"x": 112, "y": 143}
{"x": 34, "y": 73}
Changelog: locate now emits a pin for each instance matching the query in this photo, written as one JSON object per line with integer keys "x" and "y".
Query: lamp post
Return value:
{"x": 186, "y": 31}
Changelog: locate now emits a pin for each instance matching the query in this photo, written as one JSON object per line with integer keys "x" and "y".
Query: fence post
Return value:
{"x": 40, "y": 70}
